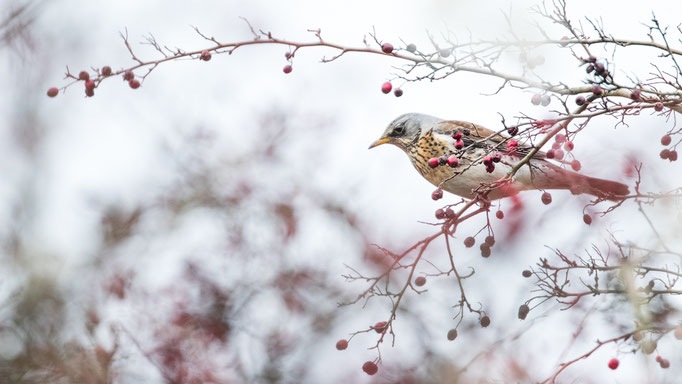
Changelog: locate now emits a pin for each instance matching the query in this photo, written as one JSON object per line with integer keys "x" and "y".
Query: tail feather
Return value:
{"x": 601, "y": 187}
{"x": 575, "y": 182}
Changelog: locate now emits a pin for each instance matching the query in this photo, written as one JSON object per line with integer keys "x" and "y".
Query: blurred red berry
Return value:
{"x": 457, "y": 135}
{"x": 672, "y": 156}
{"x": 560, "y": 138}
{"x": 380, "y": 327}
{"x": 128, "y": 75}
{"x": 485, "y": 250}
{"x": 449, "y": 213}
{"x": 398, "y": 92}
{"x": 89, "y": 92}
{"x": 420, "y": 281}
{"x": 433, "y": 162}
{"x": 490, "y": 168}
{"x": 658, "y": 106}
{"x": 52, "y": 92}
{"x": 556, "y": 145}
{"x": 523, "y": 312}
{"x": 134, "y": 84}
{"x": 370, "y": 368}
{"x": 487, "y": 160}
{"x": 596, "y": 90}
{"x": 386, "y": 87}
{"x": 526, "y": 273}
{"x": 665, "y": 154}
{"x": 440, "y": 214}
{"x": 459, "y": 144}
{"x": 287, "y": 68}
{"x": 546, "y": 198}
{"x": 678, "y": 333}
{"x": 666, "y": 139}
{"x": 205, "y": 55}
{"x": 452, "y": 334}
{"x": 485, "y": 321}
{"x": 636, "y": 95}
{"x": 587, "y": 219}
{"x": 342, "y": 344}
{"x": 469, "y": 242}
{"x": 499, "y": 215}
{"x": 453, "y": 161}
{"x": 558, "y": 154}
{"x": 288, "y": 55}
{"x": 512, "y": 144}
{"x": 580, "y": 100}
{"x": 89, "y": 84}
{"x": 568, "y": 146}
{"x": 497, "y": 158}
{"x": 442, "y": 160}
{"x": 658, "y": 358}
{"x": 83, "y": 75}
{"x": 387, "y": 48}
{"x": 665, "y": 364}
{"x": 575, "y": 164}
{"x": 490, "y": 240}
{"x": 550, "y": 154}
{"x": 437, "y": 194}
{"x": 536, "y": 99}
{"x": 106, "y": 70}
{"x": 613, "y": 363}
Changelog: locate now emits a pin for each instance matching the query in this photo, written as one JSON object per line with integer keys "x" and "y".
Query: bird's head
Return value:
{"x": 406, "y": 129}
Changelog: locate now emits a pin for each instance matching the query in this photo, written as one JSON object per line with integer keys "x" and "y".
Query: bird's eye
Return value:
{"x": 399, "y": 130}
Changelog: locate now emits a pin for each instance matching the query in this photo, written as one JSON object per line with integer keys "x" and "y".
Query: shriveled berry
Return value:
{"x": 386, "y": 87}
{"x": 613, "y": 363}
{"x": 499, "y": 215}
{"x": 568, "y": 146}
{"x": 523, "y": 312}
{"x": 665, "y": 364}
{"x": 420, "y": 281}
{"x": 433, "y": 162}
{"x": 106, "y": 70}
{"x": 513, "y": 131}
{"x": 453, "y": 161}
{"x": 459, "y": 144}
{"x": 469, "y": 242}
{"x": 678, "y": 333}
{"x": 457, "y": 135}
{"x": 387, "y": 47}
{"x": 490, "y": 240}
{"x": 83, "y": 75}
{"x": 526, "y": 273}
{"x": 452, "y": 334}
{"x": 288, "y": 68}
{"x": 672, "y": 156}
{"x": 485, "y": 321}
{"x": 89, "y": 84}
{"x": 134, "y": 84}
{"x": 52, "y": 92}
{"x": 442, "y": 160}
{"x": 485, "y": 250}
{"x": 411, "y": 48}
{"x": 440, "y": 214}
{"x": 546, "y": 198}
{"x": 380, "y": 327}
{"x": 636, "y": 95}
{"x": 666, "y": 139}
{"x": 575, "y": 164}
{"x": 437, "y": 194}
{"x": 658, "y": 106}
{"x": 128, "y": 75}
{"x": 558, "y": 154}
{"x": 665, "y": 154}
{"x": 398, "y": 92}
{"x": 536, "y": 99}
{"x": 205, "y": 55}
{"x": 370, "y": 368}
{"x": 342, "y": 344}
{"x": 545, "y": 100}
{"x": 587, "y": 219}
{"x": 580, "y": 100}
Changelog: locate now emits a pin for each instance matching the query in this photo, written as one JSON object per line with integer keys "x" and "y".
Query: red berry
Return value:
{"x": 568, "y": 146}
{"x": 89, "y": 92}
{"x": 134, "y": 84}
{"x": 546, "y": 198}
{"x": 658, "y": 106}
{"x": 469, "y": 242}
{"x": 550, "y": 154}
{"x": 658, "y": 358}
{"x": 497, "y": 158}
{"x": 459, "y": 144}
{"x": 342, "y": 344}
{"x": 672, "y": 156}
{"x": 433, "y": 162}
{"x": 523, "y": 312}
{"x": 288, "y": 55}
{"x": 452, "y": 334}
{"x": 440, "y": 214}
{"x": 380, "y": 327}
{"x": 52, "y": 92}
{"x": 575, "y": 164}
{"x": 558, "y": 154}
{"x": 556, "y": 145}
{"x": 488, "y": 160}
{"x": 613, "y": 363}
{"x": 106, "y": 70}
{"x": 665, "y": 364}
{"x": 580, "y": 100}
{"x": 485, "y": 321}
{"x": 205, "y": 55}
{"x": 665, "y": 154}
{"x": 287, "y": 69}
{"x": 449, "y": 213}
{"x": 526, "y": 273}
{"x": 420, "y": 281}
{"x": 485, "y": 250}
{"x": 587, "y": 219}
{"x": 513, "y": 131}
{"x": 536, "y": 99}
{"x": 370, "y": 368}
{"x": 666, "y": 139}
{"x": 83, "y": 75}
{"x": 398, "y": 92}
{"x": 89, "y": 84}
{"x": 678, "y": 333}
{"x": 512, "y": 144}
{"x": 387, "y": 48}
{"x": 442, "y": 160}
{"x": 490, "y": 168}
{"x": 128, "y": 75}
{"x": 596, "y": 89}
{"x": 599, "y": 68}
{"x": 437, "y": 194}
{"x": 490, "y": 240}
{"x": 560, "y": 138}
{"x": 636, "y": 95}
{"x": 457, "y": 135}
{"x": 386, "y": 87}
{"x": 453, "y": 161}
{"x": 499, "y": 215}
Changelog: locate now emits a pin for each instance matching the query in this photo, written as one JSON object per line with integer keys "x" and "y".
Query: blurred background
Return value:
{"x": 196, "y": 230}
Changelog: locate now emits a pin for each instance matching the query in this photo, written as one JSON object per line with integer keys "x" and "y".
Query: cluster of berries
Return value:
{"x": 667, "y": 154}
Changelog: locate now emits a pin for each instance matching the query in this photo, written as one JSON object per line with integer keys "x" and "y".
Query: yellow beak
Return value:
{"x": 383, "y": 140}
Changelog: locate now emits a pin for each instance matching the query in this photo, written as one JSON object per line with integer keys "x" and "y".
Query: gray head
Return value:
{"x": 405, "y": 129}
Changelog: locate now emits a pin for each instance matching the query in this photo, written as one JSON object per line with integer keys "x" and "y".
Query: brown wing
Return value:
{"x": 482, "y": 137}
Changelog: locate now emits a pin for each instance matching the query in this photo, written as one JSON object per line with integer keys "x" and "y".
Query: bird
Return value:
{"x": 473, "y": 162}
